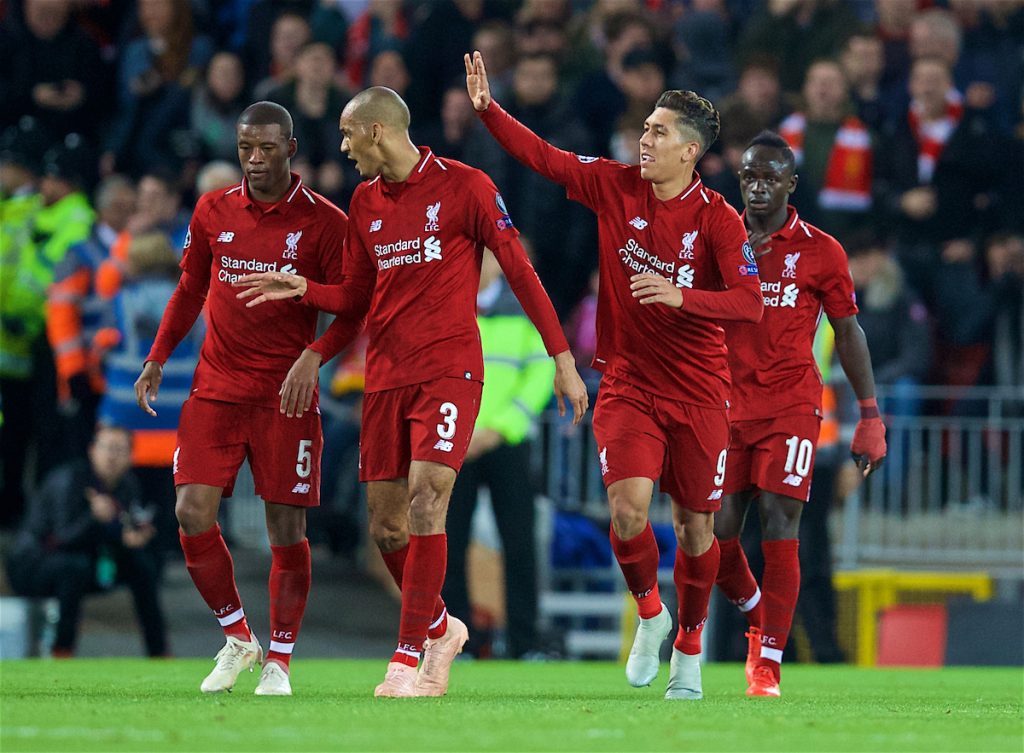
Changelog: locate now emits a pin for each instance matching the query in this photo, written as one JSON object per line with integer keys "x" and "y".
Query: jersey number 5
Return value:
{"x": 304, "y": 462}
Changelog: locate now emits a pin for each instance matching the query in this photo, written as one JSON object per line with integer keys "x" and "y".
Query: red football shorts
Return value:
{"x": 214, "y": 438}
{"x": 682, "y": 445}
{"x": 774, "y": 455}
{"x": 430, "y": 421}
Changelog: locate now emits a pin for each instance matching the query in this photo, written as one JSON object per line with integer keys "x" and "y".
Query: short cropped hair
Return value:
{"x": 267, "y": 113}
{"x": 775, "y": 141}
{"x": 694, "y": 113}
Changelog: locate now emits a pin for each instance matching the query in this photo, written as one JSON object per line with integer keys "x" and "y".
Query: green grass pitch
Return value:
{"x": 131, "y": 704}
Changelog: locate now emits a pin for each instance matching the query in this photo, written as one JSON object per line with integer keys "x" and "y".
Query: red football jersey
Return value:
{"x": 773, "y": 368}
{"x": 696, "y": 240}
{"x": 248, "y": 351}
{"x": 412, "y": 261}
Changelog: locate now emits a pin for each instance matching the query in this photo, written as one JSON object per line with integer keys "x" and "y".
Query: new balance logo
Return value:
{"x": 224, "y": 237}
{"x": 300, "y": 488}
{"x": 793, "y": 480}
{"x": 376, "y": 225}
{"x": 638, "y": 222}
{"x": 684, "y": 278}
{"x": 432, "y": 248}
{"x": 789, "y": 294}
{"x": 288, "y": 269}
{"x": 444, "y": 445}
{"x": 715, "y": 495}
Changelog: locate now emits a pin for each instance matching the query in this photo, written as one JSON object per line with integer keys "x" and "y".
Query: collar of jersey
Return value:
{"x": 283, "y": 202}
{"x": 418, "y": 173}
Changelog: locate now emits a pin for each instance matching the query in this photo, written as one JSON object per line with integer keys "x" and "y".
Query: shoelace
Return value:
{"x": 230, "y": 655}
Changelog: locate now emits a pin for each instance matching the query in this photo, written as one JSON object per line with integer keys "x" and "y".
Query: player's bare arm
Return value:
{"x": 656, "y": 289}
{"x": 270, "y": 286}
{"x": 148, "y": 385}
{"x": 868, "y": 446}
{"x": 476, "y": 81}
{"x": 569, "y": 387}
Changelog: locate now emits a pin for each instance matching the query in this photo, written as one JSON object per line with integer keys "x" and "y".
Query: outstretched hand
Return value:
{"x": 476, "y": 81}
{"x": 270, "y": 286}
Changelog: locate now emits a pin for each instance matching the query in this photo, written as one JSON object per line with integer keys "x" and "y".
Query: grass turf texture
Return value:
{"x": 129, "y": 704}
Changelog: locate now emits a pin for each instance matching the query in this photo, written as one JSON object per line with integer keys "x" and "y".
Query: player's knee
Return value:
{"x": 193, "y": 516}
{"x": 780, "y": 519}
{"x": 695, "y": 532}
{"x": 727, "y": 525}
{"x": 388, "y": 535}
{"x": 628, "y": 518}
{"x": 427, "y": 510}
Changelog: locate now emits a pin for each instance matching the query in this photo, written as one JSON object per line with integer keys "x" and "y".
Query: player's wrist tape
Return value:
{"x": 868, "y": 408}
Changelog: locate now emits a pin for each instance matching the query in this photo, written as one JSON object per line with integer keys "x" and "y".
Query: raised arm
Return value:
{"x": 578, "y": 174}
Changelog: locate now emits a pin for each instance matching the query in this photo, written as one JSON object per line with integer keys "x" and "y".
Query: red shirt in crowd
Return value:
{"x": 773, "y": 368}
{"x": 412, "y": 260}
{"x": 248, "y": 351}
{"x": 696, "y": 240}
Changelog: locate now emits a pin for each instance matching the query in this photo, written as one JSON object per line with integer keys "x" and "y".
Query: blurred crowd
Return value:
{"x": 906, "y": 116}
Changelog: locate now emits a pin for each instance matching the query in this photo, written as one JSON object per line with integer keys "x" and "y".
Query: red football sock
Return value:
{"x": 395, "y": 562}
{"x": 209, "y": 563}
{"x": 781, "y": 590}
{"x": 421, "y": 588}
{"x": 694, "y": 577}
{"x": 737, "y": 582}
{"x": 638, "y": 559}
{"x": 290, "y": 575}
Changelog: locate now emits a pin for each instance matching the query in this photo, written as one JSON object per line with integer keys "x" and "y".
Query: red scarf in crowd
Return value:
{"x": 933, "y": 135}
{"x": 847, "y": 183}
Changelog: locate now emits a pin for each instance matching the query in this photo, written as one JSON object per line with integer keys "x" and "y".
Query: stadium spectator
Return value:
{"x": 560, "y": 231}
{"x": 75, "y": 311}
{"x": 216, "y": 105}
{"x": 642, "y": 438}
{"x": 894, "y": 321}
{"x": 642, "y": 81}
{"x": 797, "y": 32}
{"x": 497, "y": 39}
{"x": 758, "y": 98}
{"x": 27, "y": 386}
{"x": 599, "y": 99}
{"x": 517, "y": 379}
{"x": 314, "y": 101}
{"x": 89, "y": 529}
{"x": 703, "y": 53}
{"x": 382, "y": 25}
{"x": 290, "y": 34}
{"x": 216, "y": 175}
{"x": 245, "y": 401}
{"x": 833, "y": 151}
{"x": 133, "y": 313}
{"x": 863, "y": 63}
{"x": 388, "y": 68}
{"x": 937, "y": 166}
{"x": 408, "y": 459}
{"x": 52, "y": 70}
{"x": 155, "y": 78}
{"x": 439, "y": 34}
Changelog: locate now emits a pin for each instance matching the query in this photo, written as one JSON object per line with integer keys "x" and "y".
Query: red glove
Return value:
{"x": 868, "y": 445}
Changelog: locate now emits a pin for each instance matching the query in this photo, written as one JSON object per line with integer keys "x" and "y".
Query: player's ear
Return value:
{"x": 293, "y": 147}
{"x": 377, "y": 133}
{"x": 792, "y": 183}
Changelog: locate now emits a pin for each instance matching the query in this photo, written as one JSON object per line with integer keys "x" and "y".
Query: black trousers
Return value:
{"x": 71, "y": 576}
{"x": 506, "y": 472}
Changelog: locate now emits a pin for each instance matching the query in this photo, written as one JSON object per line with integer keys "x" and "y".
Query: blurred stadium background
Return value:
{"x": 115, "y": 115}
